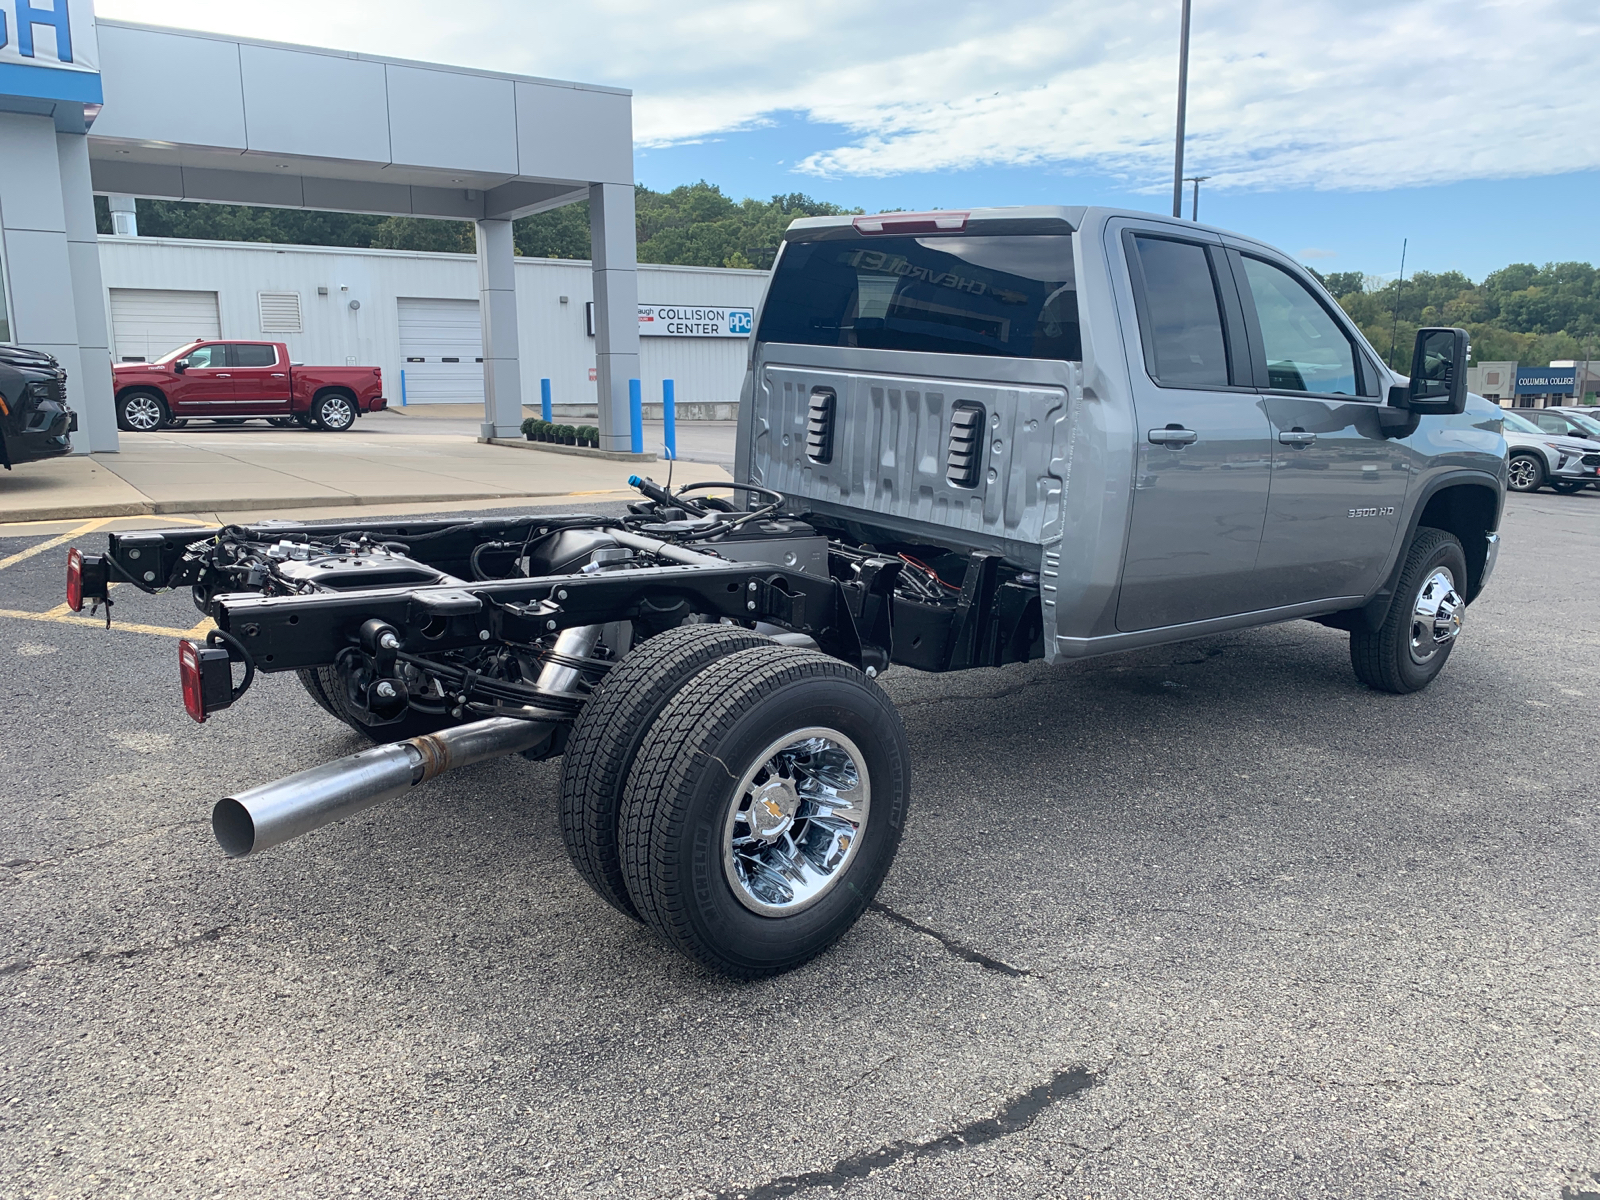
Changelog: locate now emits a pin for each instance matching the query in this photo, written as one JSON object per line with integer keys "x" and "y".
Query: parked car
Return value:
{"x": 35, "y": 421}
{"x": 1538, "y": 458}
{"x": 231, "y": 381}
{"x": 966, "y": 439}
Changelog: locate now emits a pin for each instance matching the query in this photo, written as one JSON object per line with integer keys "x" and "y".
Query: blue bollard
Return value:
{"x": 402, "y": 388}
{"x": 544, "y": 399}
{"x": 635, "y": 417}
{"x": 669, "y": 416}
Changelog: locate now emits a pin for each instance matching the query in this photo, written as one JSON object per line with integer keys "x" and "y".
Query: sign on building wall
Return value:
{"x": 686, "y": 320}
{"x": 1538, "y": 381}
{"x": 61, "y": 37}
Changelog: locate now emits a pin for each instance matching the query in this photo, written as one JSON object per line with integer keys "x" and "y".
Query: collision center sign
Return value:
{"x": 690, "y": 320}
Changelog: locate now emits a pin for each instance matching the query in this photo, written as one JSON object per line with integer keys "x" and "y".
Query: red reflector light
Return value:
{"x": 75, "y": 579}
{"x": 923, "y": 222}
{"x": 194, "y": 699}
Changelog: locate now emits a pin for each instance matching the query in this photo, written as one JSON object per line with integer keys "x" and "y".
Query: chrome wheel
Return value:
{"x": 1523, "y": 474}
{"x": 336, "y": 413}
{"x": 796, "y": 821}
{"x": 1435, "y": 616}
{"x": 142, "y": 412}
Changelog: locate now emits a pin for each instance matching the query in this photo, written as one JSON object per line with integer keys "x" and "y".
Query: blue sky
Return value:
{"x": 1474, "y": 226}
{"x": 1331, "y": 128}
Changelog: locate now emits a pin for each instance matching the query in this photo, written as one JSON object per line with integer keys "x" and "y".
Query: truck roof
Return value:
{"x": 1012, "y": 219}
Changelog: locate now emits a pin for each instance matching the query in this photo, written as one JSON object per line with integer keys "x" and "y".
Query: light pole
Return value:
{"x": 1197, "y": 180}
{"x": 1183, "y": 97}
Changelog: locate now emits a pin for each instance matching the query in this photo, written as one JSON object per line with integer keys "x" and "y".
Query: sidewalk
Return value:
{"x": 255, "y": 468}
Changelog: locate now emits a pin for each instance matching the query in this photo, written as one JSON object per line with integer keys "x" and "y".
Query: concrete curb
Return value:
{"x": 580, "y": 451}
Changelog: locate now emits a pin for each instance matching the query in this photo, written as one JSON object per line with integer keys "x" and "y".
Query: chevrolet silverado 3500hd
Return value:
{"x": 965, "y": 439}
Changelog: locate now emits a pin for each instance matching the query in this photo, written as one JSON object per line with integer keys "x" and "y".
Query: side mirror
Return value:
{"x": 180, "y": 366}
{"x": 1438, "y": 374}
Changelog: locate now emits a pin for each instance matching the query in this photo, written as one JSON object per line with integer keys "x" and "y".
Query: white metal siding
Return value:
{"x": 552, "y": 340}
{"x": 441, "y": 343}
{"x": 147, "y": 322}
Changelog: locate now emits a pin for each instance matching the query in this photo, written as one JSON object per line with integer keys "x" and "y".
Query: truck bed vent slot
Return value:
{"x": 964, "y": 457}
{"x": 819, "y": 425}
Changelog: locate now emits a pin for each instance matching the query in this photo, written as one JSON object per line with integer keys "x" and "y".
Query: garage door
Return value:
{"x": 146, "y": 323}
{"x": 441, "y": 350}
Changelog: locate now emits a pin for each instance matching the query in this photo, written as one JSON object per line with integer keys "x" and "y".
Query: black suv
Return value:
{"x": 35, "y": 421}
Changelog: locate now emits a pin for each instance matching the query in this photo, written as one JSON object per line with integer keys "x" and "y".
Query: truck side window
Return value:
{"x": 254, "y": 355}
{"x": 207, "y": 356}
{"x": 1305, "y": 348}
{"x": 1182, "y": 325}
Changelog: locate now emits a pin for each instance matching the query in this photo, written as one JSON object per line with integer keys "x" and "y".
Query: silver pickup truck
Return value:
{"x": 966, "y": 439}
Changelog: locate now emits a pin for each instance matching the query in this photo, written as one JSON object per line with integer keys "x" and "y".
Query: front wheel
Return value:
{"x": 1567, "y": 486}
{"x": 334, "y": 412}
{"x": 1525, "y": 473}
{"x": 1410, "y": 648}
{"x": 764, "y": 809}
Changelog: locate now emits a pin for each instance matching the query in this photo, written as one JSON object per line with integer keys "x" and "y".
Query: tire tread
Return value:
{"x": 608, "y": 733}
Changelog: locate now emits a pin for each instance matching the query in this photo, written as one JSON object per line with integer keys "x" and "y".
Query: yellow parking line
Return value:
{"x": 62, "y": 615}
{"x": 86, "y": 527}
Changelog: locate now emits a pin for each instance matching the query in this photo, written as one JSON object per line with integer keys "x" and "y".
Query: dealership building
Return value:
{"x": 1512, "y": 385}
{"x": 417, "y": 316}
{"x": 134, "y": 111}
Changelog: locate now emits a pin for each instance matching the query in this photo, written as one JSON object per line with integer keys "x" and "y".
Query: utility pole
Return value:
{"x": 1183, "y": 98}
{"x": 1197, "y": 180}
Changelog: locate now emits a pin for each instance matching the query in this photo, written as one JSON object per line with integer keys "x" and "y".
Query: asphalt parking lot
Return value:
{"x": 1205, "y": 920}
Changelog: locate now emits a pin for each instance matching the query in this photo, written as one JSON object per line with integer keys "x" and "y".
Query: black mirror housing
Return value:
{"x": 180, "y": 366}
{"x": 1438, "y": 373}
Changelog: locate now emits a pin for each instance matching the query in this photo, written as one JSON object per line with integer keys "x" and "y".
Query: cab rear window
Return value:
{"x": 1013, "y": 297}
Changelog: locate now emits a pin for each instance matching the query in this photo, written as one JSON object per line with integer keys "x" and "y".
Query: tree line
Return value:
{"x": 1522, "y": 312}
{"x": 691, "y": 226}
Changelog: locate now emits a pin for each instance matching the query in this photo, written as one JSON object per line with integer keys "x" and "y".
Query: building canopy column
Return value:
{"x": 497, "y": 311}
{"x": 616, "y": 307}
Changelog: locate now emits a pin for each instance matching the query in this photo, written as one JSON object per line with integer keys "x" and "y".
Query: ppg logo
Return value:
{"x": 57, "y": 19}
{"x": 738, "y": 322}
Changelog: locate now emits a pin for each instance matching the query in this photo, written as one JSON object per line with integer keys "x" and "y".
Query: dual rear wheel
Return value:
{"x": 743, "y": 799}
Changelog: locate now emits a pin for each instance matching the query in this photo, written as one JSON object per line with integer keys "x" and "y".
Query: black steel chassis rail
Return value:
{"x": 285, "y": 633}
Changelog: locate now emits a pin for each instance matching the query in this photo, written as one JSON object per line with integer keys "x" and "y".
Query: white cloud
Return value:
{"x": 1347, "y": 94}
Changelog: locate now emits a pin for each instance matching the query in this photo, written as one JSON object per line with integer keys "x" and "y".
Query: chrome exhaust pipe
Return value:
{"x": 264, "y": 816}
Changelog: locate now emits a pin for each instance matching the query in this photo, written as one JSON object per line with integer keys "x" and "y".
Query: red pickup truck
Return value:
{"x": 232, "y": 381}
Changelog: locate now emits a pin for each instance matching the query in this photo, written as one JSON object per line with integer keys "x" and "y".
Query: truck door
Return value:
{"x": 205, "y": 385}
{"x": 260, "y": 381}
{"x": 1204, "y": 457}
{"x": 1338, "y": 484}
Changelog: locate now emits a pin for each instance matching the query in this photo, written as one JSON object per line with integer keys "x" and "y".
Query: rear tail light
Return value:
{"x": 206, "y": 678}
{"x": 75, "y": 579}
{"x": 86, "y": 578}
{"x": 819, "y": 426}
{"x": 920, "y": 222}
{"x": 964, "y": 451}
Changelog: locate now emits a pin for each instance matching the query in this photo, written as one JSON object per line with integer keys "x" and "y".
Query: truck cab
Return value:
{"x": 1174, "y": 427}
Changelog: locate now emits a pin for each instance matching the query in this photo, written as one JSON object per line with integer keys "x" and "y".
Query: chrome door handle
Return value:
{"x": 1173, "y": 436}
{"x": 222, "y": 375}
{"x": 277, "y": 374}
{"x": 1296, "y": 437}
